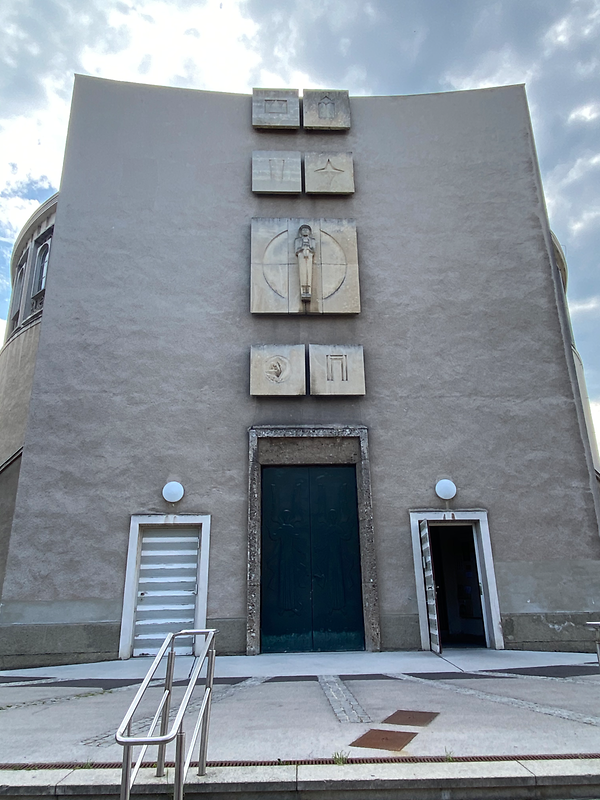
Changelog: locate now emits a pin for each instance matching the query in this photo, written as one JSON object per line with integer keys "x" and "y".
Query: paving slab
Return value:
{"x": 297, "y": 707}
{"x": 24, "y": 782}
{"x": 564, "y": 771}
{"x": 388, "y": 776}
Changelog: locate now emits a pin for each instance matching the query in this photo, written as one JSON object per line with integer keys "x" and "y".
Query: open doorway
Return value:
{"x": 458, "y": 588}
{"x": 457, "y": 596}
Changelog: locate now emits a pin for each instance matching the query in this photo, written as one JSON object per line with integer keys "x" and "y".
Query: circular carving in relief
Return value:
{"x": 277, "y": 369}
{"x": 333, "y": 264}
{"x": 330, "y": 256}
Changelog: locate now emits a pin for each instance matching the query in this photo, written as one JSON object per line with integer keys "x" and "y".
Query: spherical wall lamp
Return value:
{"x": 172, "y": 491}
{"x": 445, "y": 489}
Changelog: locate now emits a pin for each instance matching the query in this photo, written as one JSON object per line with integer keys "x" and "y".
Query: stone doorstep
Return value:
{"x": 506, "y": 780}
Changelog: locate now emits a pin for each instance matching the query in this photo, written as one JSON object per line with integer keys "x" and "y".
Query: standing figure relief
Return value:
{"x": 304, "y": 247}
{"x": 304, "y": 266}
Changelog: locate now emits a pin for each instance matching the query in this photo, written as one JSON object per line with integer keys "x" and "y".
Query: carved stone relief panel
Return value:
{"x": 304, "y": 266}
{"x": 336, "y": 369}
{"x": 326, "y": 109}
{"x": 276, "y": 172}
{"x": 278, "y": 369}
{"x": 275, "y": 108}
{"x": 328, "y": 173}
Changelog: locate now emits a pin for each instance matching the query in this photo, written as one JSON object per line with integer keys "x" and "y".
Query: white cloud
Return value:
{"x": 14, "y": 212}
{"x": 567, "y": 189}
{"x": 2, "y": 330}
{"x": 584, "y": 306}
{"x": 585, "y": 220}
{"x": 586, "y": 113}
{"x": 199, "y": 46}
{"x": 581, "y": 167}
{"x": 495, "y": 68}
{"x": 581, "y": 23}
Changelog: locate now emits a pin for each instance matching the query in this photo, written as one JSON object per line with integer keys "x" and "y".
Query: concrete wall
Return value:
{"x": 9, "y": 481}
{"x": 17, "y": 363}
{"x": 143, "y": 372}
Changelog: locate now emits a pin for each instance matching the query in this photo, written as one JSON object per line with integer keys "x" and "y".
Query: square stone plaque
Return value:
{"x": 283, "y": 262}
{"x": 275, "y": 108}
{"x": 328, "y": 173}
{"x": 336, "y": 369}
{"x": 276, "y": 172}
{"x": 278, "y": 369}
{"x": 326, "y": 109}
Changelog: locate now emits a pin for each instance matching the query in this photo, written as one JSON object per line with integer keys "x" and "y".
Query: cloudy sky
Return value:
{"x": 366, "y": 46}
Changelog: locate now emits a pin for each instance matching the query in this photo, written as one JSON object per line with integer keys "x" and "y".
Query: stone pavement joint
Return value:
{"x": 51, "y": 701}
{"x": 139, "y": 727}
{"x": 551, "y": 711}
{"x": 525, "y": 676}
{"x": 345, "y": 706}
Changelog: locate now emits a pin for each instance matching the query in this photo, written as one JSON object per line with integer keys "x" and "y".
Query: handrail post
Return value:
{"x": 126, "y": 769}
{"x": 210, "y": 674}
{"x": 164, "y": 722}
{"x": 179, "y": 764}
{"x": 162, "y": 715}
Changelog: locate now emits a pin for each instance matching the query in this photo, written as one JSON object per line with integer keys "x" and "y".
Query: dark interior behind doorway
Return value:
{"x": 460, "y": 615}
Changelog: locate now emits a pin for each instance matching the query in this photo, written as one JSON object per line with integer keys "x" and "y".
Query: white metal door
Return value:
{"x": 167, "y": 588}
{"x": 432, "y": 613}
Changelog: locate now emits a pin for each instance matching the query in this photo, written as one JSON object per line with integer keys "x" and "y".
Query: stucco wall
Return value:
{"x": 17, "y": 363}
{"x": 143, "y": 372}
{"x": 9, "y": 480}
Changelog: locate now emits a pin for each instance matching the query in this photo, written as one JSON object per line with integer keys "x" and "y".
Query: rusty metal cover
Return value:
{"x": 384, "y": 740}
{"x": 411, "y": 717}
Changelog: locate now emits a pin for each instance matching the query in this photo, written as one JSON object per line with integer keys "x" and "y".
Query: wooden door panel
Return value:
{"x": 311, "y": 587}
{"x": 286, "y": 623}
{"x": 335, "y": 551}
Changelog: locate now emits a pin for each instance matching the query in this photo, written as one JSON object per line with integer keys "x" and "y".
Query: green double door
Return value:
{"x": 311, "y": 598}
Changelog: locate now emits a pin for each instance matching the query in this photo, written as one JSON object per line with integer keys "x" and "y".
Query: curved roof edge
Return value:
{"x": 27, "y": 230}
{"x": 561, "y": 261}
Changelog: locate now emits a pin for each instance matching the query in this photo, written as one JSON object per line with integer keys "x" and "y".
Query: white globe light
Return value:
{"x": 446, "y": 489}
{"x": 172, "y": 491}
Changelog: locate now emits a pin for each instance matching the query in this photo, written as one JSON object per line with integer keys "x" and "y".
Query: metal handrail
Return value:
{"x": 166, "y": 735}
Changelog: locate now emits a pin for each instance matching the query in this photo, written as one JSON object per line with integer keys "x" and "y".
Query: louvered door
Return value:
{"x": 167, "y": 588}
{"x": 432, "y": 613}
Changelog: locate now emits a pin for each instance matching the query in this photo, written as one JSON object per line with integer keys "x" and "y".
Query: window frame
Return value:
{"x": 39, "y": 271}
{"x": 14, "y": 314}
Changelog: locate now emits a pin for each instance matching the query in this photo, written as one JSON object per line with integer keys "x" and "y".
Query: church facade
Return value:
{"x": 299, "y": 369}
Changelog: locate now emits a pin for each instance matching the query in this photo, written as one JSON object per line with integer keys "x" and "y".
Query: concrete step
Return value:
{"x": 556, "y": 779}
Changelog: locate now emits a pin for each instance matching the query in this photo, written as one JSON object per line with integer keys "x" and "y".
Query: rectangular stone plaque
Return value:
{"x": 275, "y": 108}
{"x": 328, "y": 173}
{"x": 326, "y": 109}
{"x": 278, "y": 369}
{"x": 336, "y": 369}
{"x": 276, "y": 172}
{"x": 304, "y": 266}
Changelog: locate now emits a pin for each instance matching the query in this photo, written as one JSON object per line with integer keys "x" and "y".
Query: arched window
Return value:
{"x": 41, "y": 267}
{"x": 15, "y": 305}
{"x": 40, "y": 272}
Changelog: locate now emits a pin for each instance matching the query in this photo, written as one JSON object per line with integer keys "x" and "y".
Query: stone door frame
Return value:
{"x": 485, "y": 565}
{"x": 370, "y": 595}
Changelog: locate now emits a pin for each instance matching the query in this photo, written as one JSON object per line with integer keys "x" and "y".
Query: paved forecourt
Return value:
{"x": 506, "y": 706}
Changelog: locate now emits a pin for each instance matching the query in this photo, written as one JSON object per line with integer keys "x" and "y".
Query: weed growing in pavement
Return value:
{"x": 340, "y": 757}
